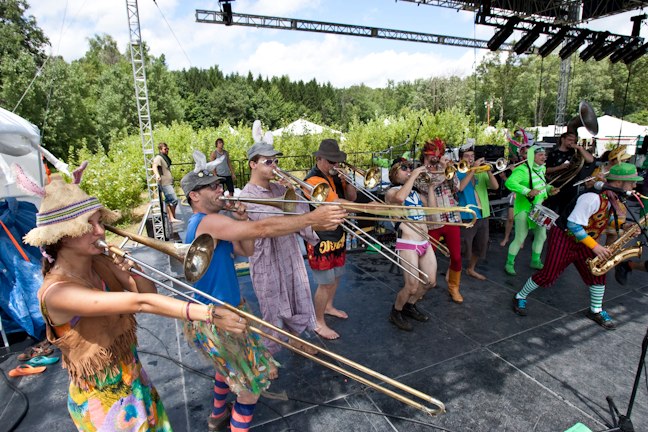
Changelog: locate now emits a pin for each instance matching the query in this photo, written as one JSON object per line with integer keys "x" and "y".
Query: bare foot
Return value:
{"x": 474, "y": 274}
{"x": 336, "y": 313}
{"x": 327, "y": 332}
{"x": 273, "y": 371}
{"x": 303, "y": 347}
{"x": 503, "y": 242}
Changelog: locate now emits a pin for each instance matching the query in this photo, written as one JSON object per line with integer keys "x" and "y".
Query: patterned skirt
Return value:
{"x": 127, "y": 401}
{"x": 242, "y": 359}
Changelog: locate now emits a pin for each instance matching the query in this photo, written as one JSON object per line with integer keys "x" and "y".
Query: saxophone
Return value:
{"x": 599, "y": 266}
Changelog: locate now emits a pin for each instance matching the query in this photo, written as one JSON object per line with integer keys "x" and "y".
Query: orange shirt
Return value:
{"x": 332, "y": 196}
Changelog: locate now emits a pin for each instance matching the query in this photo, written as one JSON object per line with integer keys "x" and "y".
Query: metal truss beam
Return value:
{"x": 144, "y": 115}
{"x": 215, "y": 17}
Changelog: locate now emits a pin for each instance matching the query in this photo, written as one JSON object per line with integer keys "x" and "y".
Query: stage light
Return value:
{"x": 636, "y": 54}
{"x": 608, "y": 49}
{"x": 227, "y": 12}
{"x": 624, "y": 51}
{"x": 592, "y": 48}
{"x": 552, "y": 43}
{"x": 502, "y": 34}
{"x": 573, "y": 45}
{"x": 527, "y": 40}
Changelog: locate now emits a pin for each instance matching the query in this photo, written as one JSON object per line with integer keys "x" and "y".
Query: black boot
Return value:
{"x": 410, "y": 310}
{"x": 397, "y": 318}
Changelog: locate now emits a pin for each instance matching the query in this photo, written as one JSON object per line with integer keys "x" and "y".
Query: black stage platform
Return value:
{"x": 494, "y": 370}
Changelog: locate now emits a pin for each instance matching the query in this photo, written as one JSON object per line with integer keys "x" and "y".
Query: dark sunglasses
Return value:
{"x": 405, "y": 167}
{"x": 269, "y": 162}
{"x": 332, "y": 162}
{"x": 212, "y": 186}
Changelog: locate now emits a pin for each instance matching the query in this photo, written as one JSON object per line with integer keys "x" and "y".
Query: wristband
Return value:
{"x": 589, "y": 242}
{"x": 187, "y": 312}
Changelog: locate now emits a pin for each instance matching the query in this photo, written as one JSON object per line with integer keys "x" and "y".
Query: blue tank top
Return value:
{"x": 220, "y": 280}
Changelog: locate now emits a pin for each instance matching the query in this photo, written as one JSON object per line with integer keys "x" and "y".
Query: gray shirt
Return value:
{"x": 222, "y": 169}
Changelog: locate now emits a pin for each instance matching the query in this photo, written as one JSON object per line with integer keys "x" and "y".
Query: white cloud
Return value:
{"x": 337, "y": 60}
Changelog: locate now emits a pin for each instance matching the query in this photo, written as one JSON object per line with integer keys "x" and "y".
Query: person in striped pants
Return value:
{"x": 575, "y": 242}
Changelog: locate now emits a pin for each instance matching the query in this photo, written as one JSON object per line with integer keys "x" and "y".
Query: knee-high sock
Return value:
{"x": 241, "y": 417}
{"x": 596, "y": 297}
{"x": 221, "y": 390}
{"x": 521, "y": 231}
{"x": 527, "y": 289}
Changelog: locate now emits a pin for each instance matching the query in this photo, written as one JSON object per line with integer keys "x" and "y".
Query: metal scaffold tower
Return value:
{"x": 144, "y": 115}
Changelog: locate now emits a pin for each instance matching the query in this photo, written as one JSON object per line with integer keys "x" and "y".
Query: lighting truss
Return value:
{"x": 260, "y": 21}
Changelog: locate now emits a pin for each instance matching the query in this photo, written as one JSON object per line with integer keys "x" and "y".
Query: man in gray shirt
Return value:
{"x": 224, "y": 169}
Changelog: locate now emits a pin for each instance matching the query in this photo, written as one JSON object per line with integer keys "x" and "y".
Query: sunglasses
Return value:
{"x": 332, "y": 162}
{"x": 269, "y": 162}
{"x": 213, "y": 186}
{"x": 406, "y": 167}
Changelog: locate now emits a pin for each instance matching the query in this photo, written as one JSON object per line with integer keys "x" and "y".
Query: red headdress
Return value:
{"x": 435, "y": 147}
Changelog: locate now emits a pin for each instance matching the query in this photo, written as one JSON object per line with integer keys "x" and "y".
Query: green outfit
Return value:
{"x": 520, "y": 182}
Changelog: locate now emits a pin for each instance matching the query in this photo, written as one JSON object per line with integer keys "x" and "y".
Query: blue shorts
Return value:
{"x": 327, "y": 277}
{"x": 169, "y": 195}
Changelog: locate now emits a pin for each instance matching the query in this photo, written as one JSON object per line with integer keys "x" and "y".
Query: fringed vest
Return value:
{"x": 92, "y": 348}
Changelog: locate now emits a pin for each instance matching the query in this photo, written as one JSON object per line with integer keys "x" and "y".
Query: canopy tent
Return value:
{"x": 304, "y": 127}
{"x": 20, "y": 275}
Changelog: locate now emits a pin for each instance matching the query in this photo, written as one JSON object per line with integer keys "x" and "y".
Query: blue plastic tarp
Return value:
{"x": 19, "y": 279}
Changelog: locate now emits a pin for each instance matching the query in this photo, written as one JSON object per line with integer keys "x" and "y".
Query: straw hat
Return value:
{"x": 64, "y": 211}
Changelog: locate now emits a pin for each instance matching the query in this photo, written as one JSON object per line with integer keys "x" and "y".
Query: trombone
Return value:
{"x": 372, "y": 176}
{"x": 201, "y": 263}
{"x": 500, "y": 170}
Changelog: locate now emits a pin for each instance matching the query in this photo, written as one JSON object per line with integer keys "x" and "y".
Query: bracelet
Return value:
{"x": 187, "y": 312}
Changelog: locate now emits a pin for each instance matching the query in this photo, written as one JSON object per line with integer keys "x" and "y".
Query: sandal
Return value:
{"x": 25, "y": 369}
{"x": 35, "y": 351}
{"x": 42, "y": 361}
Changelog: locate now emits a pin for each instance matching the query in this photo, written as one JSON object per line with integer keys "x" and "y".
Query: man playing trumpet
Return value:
{"x": 411, "y": 245}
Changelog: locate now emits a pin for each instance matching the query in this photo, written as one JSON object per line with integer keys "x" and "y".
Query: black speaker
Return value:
{"x": 644, "y": 146}
{"x": 490, "y": 152}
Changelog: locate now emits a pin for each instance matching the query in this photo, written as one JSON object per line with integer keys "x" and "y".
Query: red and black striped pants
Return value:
{"x": 563, "y": 250}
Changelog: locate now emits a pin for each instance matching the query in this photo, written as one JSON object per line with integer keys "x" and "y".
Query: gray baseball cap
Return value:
{"x": 262, "y": 149}
{"x": 192, "y": 180}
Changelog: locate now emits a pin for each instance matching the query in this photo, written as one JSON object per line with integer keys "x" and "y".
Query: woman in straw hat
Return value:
{"x": 89, "y": 303}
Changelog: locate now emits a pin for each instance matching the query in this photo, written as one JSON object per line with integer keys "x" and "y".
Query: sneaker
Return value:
{"x": 602, "y": 318}
{"x": 397, "y": 318}
{"x": 621, "y": 272}
{"x": 536, "y": 265}
{"x": 519, "y": 306}
{"x": 410, "y": 310}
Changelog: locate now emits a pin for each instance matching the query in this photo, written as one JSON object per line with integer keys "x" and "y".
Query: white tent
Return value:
{"x": 612, "y": 131}
{"x": 19, "y": 143}
{"x": 304, "y": 127}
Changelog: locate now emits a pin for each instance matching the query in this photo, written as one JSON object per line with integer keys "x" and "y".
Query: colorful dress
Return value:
{"x": 109, "y": 390}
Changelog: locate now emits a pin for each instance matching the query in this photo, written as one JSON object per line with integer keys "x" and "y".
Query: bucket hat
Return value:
{"x": 624, "y": 172}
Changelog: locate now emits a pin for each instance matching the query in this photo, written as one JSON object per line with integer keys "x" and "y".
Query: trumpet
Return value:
{"x": 372, "y": 176}
{"x": 500, "y": 164}
{"x": 252, "y": 318}
{"x": 428, "y": 176}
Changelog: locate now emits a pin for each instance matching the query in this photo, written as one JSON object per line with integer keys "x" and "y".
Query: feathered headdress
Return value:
{"x": 435, "y": 147}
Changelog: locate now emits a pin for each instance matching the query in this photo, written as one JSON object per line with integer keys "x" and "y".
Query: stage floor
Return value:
{"x": 494, "y": 370}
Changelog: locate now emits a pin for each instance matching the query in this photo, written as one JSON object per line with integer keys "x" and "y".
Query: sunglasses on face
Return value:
{"x": 406, "y": 167}
{"x": 331, "y": 162}
{"x": 212, "y": 186}
{"x": 269, "y": 162}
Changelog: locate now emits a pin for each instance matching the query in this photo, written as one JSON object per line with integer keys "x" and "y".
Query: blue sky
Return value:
{"x": 341, "y": 60}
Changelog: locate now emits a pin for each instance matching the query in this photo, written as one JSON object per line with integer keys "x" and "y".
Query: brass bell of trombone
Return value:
{"x": 195, "y": 257}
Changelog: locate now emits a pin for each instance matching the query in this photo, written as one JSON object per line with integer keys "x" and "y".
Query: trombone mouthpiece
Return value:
{"x": 101, "y": 244}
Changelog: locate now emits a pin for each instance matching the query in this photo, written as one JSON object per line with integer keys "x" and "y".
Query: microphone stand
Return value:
{"x": 414, "y": 141}
{"x": 621, "y": 422}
